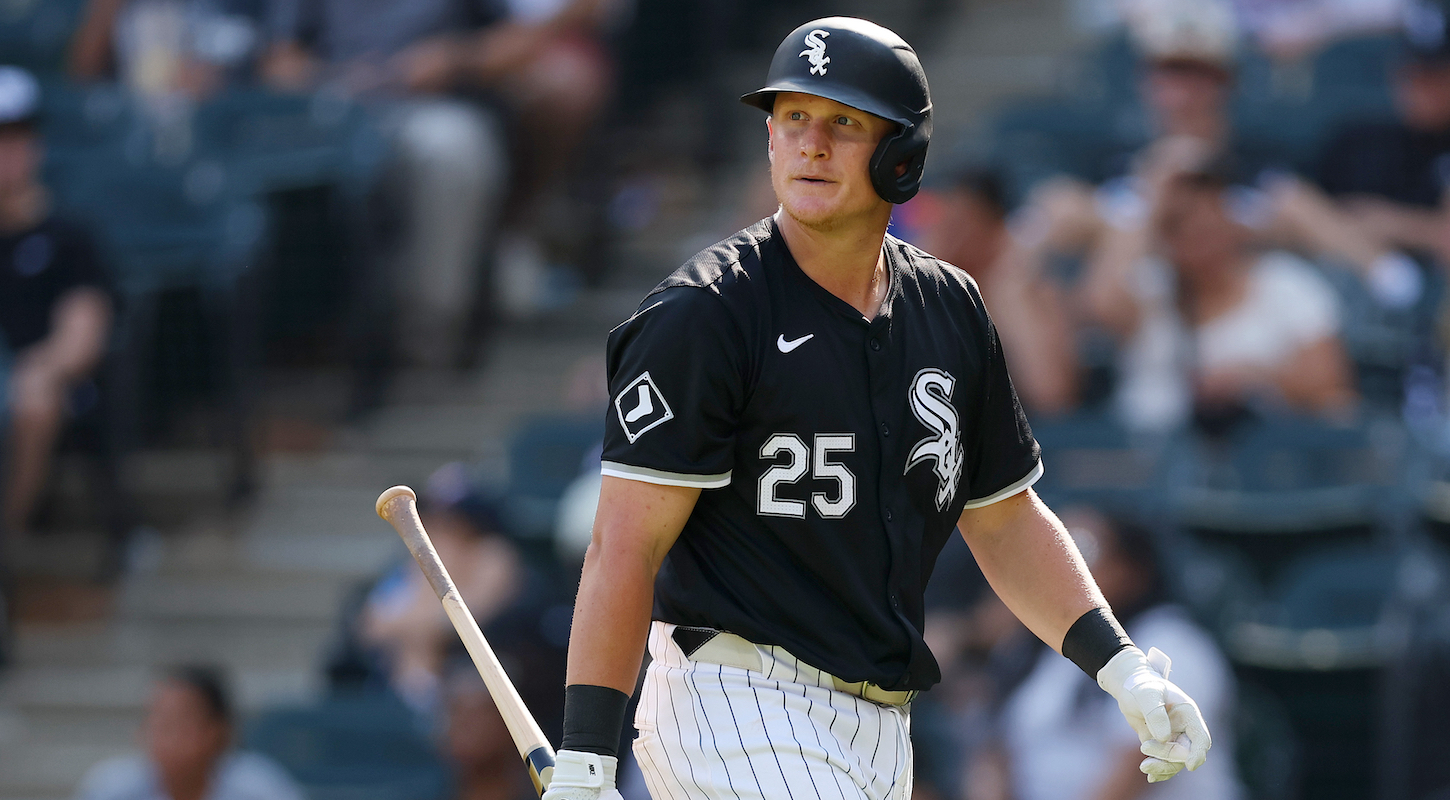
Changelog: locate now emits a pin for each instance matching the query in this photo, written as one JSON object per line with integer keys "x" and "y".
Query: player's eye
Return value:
{"x": 796, "y": 115}
{"x": 844, "y": 120}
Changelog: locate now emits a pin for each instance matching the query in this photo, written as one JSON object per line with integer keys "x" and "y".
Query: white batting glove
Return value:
{"x": 582, "y": 776}
{"x": 1167, "y": 721}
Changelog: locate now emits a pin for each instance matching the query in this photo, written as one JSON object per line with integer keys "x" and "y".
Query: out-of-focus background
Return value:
{"x": 260, "y": 259}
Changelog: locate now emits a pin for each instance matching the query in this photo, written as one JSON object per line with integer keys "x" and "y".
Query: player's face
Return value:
{"x": 820, "y": 158}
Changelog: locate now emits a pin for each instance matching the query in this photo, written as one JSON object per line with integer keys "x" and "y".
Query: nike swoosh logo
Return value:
{"x": 643, "y": 409}
{"x": 787, "y": 346}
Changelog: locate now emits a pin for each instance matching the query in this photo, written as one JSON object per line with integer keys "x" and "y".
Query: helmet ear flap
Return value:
{"x": 905, "y": 147}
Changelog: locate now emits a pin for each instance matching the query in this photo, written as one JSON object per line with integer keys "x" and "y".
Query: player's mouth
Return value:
{"x": 810, "y": 179}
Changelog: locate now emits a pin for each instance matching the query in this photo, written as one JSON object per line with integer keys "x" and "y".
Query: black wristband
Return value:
{"x": 593, "y": 719}
{"x": 1093, "y": 640}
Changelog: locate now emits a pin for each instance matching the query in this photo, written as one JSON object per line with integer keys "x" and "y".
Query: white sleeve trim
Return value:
{"x": 615, "y": 469}
{"x": 1016, "y": 488}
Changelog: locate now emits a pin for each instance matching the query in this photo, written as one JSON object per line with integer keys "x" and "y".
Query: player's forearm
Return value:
{"x": 1033, "y": 565}
{"x": 636, "y": 525}
{"x": 611, "y": 619}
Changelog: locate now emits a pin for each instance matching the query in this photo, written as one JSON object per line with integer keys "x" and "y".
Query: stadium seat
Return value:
{"x": 281, "y": 141}
{"x": 1285, "y": 487}
{"x": 1385, "y": 344}
{"x": 1092, "y": 459}
{"x": 1328, "y": 632}
{"x": 545, "y": 456}
{"x": 1266, "y": 745}
{"x": 1036, "y": 140}
{"x": 1357, "y": 62}
{"x": 36, "y": 34}
{"x": 1328, "y": 610}
{"x": 353, "y": 747}
{"x": 169, "y": 230}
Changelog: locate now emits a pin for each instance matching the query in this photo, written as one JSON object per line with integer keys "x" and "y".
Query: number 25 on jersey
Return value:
{"x": 798, "y": 459}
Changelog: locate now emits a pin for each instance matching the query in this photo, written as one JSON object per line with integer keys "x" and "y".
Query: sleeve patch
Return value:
{"x": 641, "y": 407}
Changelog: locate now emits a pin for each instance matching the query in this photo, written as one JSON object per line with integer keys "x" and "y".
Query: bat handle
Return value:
{"x": 399, "y": 506}
{"x": 541, "y": 767}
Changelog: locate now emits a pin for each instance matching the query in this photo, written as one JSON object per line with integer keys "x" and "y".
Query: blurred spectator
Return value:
{"x": 965, "y": 224}
{"x": 1284, "y": 29}
{"x": 477, "y": 744}
{"x": 1292, "y": 29}
{"x": 159, "y": 47}
{"x": 1188, "y": 54}
{"x": 1386, "y": 183}
{"x": 984, "y": 653}
{"x": 402, "y": 620}
{"x": 188, "y": 739}
{"x": 414, "y": 61}
{"x": 55, "y": 307}
{"x": 400, "y": 637}
{"x": 428, "y": 67}
{"x": 1063, "y": 735}
{"x": 1212, "y": 327}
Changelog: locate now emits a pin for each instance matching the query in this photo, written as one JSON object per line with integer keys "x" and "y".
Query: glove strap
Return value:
{"x": 1093, "y": 640}
{"x": 576, "y": 770}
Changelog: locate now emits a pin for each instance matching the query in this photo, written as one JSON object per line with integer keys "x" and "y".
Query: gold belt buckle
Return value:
{"x": 875, "y": 694}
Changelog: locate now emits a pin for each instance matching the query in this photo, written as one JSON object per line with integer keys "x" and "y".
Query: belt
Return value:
{"x": 720, "y": 647}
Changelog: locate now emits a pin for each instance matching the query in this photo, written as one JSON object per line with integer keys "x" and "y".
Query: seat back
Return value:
{"x": 352, "y": 747}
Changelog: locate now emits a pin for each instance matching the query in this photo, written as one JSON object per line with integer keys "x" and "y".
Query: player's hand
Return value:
{"x": 582, "y": 776}
{"x": 1167, "y": 721}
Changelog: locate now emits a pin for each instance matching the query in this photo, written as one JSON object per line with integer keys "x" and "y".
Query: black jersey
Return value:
{"x": 1388, "y": 160}
{"x": 835, "y": 454}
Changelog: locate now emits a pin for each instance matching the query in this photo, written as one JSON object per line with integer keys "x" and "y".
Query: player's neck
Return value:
{"x": 845, "y": 261}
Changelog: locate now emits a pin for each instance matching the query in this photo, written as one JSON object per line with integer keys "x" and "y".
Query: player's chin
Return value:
{"x": 810, "y": 209}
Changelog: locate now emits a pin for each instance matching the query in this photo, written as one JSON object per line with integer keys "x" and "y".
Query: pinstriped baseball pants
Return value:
{"x": 712, "y": 732}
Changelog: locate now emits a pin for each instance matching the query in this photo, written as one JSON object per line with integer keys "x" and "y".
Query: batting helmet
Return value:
{"x": 867, "y": 67}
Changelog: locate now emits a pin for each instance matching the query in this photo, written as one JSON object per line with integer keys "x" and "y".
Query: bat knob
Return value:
{"x": 390, "y": 495}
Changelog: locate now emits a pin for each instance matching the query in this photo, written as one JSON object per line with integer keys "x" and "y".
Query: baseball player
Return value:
{"x": 802, "y": 414}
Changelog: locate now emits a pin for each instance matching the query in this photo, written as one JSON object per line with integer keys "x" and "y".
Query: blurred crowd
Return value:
{"x": 1217, "y": 261}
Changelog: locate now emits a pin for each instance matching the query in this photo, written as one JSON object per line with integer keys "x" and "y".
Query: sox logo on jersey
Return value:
{"x": 931, "y": 395}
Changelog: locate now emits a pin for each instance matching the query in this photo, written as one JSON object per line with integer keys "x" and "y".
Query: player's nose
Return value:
{"x": 815, "y": 141}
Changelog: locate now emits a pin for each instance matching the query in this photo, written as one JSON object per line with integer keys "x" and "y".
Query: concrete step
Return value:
{"x": 102, "y": 727}
{"x": 299, "y": 644}
{"x": 277, "y": 597}
{"x": 125, "y": 689}
{"x": 49, "y": 770}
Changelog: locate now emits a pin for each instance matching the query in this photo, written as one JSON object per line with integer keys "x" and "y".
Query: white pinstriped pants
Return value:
{"x": 711, "y": 732}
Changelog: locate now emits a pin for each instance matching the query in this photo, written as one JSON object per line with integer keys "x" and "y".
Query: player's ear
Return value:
{"x": 769, "y": 137}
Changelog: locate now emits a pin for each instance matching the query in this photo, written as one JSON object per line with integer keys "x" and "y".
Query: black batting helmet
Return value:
{"x": 867, "y": 67}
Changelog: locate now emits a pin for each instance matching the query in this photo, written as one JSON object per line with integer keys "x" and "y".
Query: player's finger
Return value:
{"x": 1155, "y": 712}
{"x": 1158, "y": 770}
{"x": 1189, "y": 727}
{"x": 1176, "y": 751}
{"x": 1199, "y": 740}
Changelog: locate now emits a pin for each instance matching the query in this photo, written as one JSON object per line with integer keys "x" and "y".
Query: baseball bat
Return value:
{"x": 399, "y": 506}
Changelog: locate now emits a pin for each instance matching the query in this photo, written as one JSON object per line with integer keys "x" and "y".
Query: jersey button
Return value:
{"x": 885, "y": 429}
{"x": 875, "y": 344}
{"x": 888, "y": 515}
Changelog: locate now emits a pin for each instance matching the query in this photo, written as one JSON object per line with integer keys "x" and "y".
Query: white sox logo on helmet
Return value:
{"x": 931, "y": 395}
{"x": 815, "y": 51}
